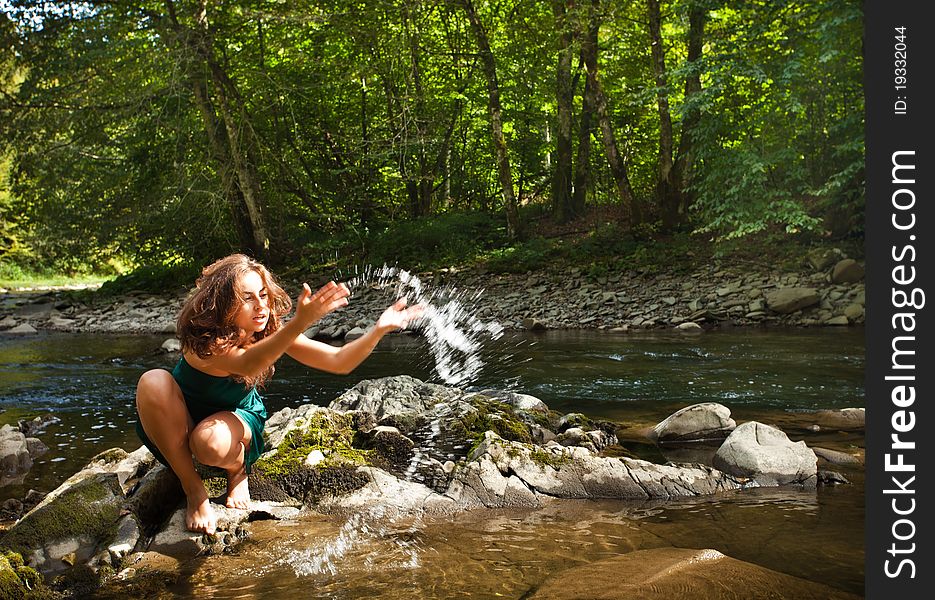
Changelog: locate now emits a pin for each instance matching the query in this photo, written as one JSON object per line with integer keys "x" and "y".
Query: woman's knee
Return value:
{"x": 155, "y": 386}
{"x": 212, "y": 442}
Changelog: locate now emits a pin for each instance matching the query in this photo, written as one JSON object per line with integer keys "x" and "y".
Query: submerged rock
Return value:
{"x": 666, "y": 573}
{"x": 397, "y": 443}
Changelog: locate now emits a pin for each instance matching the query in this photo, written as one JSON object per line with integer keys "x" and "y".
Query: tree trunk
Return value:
{"x": 504, "y": 173}
{"x": 667, "y": 194}
{"x": 237, "y": 173}
{"x": 585, "y": 128}
{"x": 564, "y": 96}
{"x": 240, "y": 136}
{"x": 632, "y": 210}
{"x": 683, "y": 162}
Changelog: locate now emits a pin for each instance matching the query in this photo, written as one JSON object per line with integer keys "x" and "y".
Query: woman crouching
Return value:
{"x": 232, "y": 334}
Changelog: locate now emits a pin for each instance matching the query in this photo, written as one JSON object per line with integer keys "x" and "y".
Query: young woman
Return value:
{"x": 232, "y": 333}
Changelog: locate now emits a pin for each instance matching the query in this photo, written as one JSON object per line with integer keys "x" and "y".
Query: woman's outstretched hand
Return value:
{"x": 310, "y": 307}
{"x": 399, "y": 316}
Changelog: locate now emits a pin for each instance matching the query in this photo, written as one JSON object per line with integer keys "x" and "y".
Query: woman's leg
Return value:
{"x": 166, "y": 421}
{"x": 221, "y": 440}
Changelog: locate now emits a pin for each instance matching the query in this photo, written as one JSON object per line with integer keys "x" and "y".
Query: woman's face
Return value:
{"x": 254, "y": 312}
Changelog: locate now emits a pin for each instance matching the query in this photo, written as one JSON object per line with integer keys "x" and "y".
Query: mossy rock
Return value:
{"x": 332, "y": 433}
{"x": 90, "y": 508}
{"x": 19, "y": 582}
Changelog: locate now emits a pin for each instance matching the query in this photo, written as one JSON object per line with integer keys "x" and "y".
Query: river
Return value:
{"x": 777, "y": 376}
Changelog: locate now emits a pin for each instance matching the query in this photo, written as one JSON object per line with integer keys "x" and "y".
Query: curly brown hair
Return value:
{"x": 205, "y": 324}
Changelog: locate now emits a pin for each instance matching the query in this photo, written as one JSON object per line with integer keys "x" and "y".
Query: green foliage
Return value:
{"x": 531, "y": 255}
{"x": 434, "y": 242}
{"x": 365, "y": 128}
{"x": 153, "y": 278}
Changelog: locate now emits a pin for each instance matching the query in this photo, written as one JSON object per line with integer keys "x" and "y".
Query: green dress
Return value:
{"x": 207, "y": 394}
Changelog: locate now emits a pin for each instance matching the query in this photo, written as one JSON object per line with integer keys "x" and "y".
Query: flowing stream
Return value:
{"x": 776, "y": 376}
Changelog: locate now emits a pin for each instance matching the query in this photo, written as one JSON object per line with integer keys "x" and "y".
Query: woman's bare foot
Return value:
{"x": 199, "y": 516}
{"x": 238, "y": 489}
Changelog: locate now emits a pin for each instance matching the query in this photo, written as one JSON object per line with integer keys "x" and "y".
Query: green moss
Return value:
{"x": 331, "y": 433}
{"x": 544, "y": 459}
{"x": 491, "y": 415}
{"x": 112, "y": 455}
{"x": 14, "y": 559}
{"x": 334, "y": 435}
{"x": 81, "y": 510}
{"x": 216, "y": 486}
{"x": 18, "y": 582}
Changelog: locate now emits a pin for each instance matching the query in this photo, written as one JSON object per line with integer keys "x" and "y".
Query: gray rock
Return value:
{"x": 821, "y": 259}
{"x": 176, "y": 541}
{"x": 844, "y": 418}
{"x": 533, "y": 324}
{"x": 8, "y": 322}
{"x": 689, "y": 326}
{"x": 355, "y": 333}
{"x": 23, "y": 329}
{"x": 394, "y": 396}
{"x": 14, "y": 453}
{"x": 789, "y": 300}
{"x": 837, "y": 458}
{"x": 171, "y": 345}
{"x": 766, "y": 455}
{"x": 838, "y": 320}
{"x": 854, "y": 311}
{"x": 847, "y": 271}
{"x": 506, "y": 474}
{"x": 704, "y": 421}
{"x": 37, "y": 425}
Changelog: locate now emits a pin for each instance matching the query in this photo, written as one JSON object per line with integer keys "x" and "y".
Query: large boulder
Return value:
{"x": 394, "y": 396}
{"x": 767, "y": 456}
{"x": 847, "y": 271}
{"x": 789, "y": 300}
{"x": 501, "y": 473}
{"x": 698, "y": 422}
{"x": 664, "y": 573}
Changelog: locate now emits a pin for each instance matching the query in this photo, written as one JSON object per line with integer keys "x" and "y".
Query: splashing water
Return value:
{"x": 454, "y": 334}
{"x": 455, "y": 338}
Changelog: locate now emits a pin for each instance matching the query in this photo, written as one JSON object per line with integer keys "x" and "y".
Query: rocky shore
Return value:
{"x": 826, "y": 291}
{"x": 401, "y": 446}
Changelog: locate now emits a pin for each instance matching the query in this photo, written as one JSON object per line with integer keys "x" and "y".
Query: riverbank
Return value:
{"x": 827, "y": 290}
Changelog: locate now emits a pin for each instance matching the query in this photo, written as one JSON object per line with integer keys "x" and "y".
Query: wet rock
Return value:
{"x": 846, "y": 419}
{"x": 689, "y": 326}
{"x": 501, "y": 473}
{"x": 847, "y": 271}
{"x": 72, "y": 527}
{"x": 532, "y": 324}
{"x": 23, "y": 329}
{"x": 838, "y": 320}
{"x": 14, "y": 453}
{"x": 394, "y": 396}
{"x": 766, "y": 455}
{"x": 704, "y": 421}
{"x": 837, "y": 458}
{"x": 176, "y": 541}
{"x": 666, "y": 573}
{"x": 789, "y": 300}
{"x": 36, "y": 426}
{"x": 831, "y": 478}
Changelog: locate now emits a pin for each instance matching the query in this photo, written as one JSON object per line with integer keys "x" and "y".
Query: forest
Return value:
{"x": 170, "y": 132}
